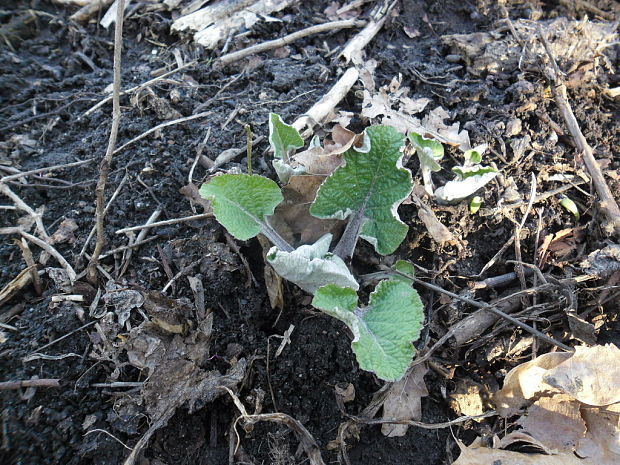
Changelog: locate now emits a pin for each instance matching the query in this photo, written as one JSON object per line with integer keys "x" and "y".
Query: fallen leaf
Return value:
{"x": 436, "y": 229}
{"x": 404, "y": 401}
{"x": 64, "y": 233}
{"x": 591, "y": 375}
{"x": 477, "y": 454}
{"x": 346, "y": 392}
{"x": 555, "y": 421}
{"x": 525, "y": 382}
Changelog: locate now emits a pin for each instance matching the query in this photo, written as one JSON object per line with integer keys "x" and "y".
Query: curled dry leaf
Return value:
{"x": 525, "y": 382}
{"x": 573, "y": 411}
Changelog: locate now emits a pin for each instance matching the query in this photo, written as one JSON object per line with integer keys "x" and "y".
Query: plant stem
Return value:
{"x": 275, "y": 238}
{"x": 104, "y": 167}
{"x": 250, "y": 136}
{"x": 346, "y": 245}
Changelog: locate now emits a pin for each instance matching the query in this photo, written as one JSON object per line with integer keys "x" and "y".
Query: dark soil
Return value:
{"x": 54, "y": 70}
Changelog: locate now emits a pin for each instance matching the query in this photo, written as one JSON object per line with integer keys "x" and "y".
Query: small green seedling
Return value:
{"x": 571, "y": 206}
{"x": 366, "y": 190}
{"x": 429, "y": 152}
{"x": 474, "y": 204}
{"x": 470, "y": 177}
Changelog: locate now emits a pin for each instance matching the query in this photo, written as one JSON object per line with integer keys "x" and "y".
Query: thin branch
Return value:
{"x": 160, "y": 126}
{"x": 47, "y": 169}
{"x": 419, "y": 424}
{"x": 27, "y": 383}
{"x": 53, "y": 252}
{"x": 166, "y": 222}
{"x": 104, "y": 167}
{"x": 608, "y": 204}
{"x": 490, "y": 308}
{"x": 290, "y": 38}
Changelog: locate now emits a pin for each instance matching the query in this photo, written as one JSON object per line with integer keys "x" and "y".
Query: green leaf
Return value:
{"x": 571, "y": 206}
{"x": 429, "y": 151}
{"x": 370, "y": 186}
{"x": 283, "y": 137}
{"x": 241, "y": 202}
{"x": 463, "y": 172}
{"x": 405, "y": 267}
{"x": 475, "y": 204}
{"x": 312, "y": 266}
{"x": 474, "y": 156}
{"x": 384, "y": 330}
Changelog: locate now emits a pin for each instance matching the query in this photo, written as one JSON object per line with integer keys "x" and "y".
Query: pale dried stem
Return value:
{"x": 104, "y": 167}
{"x": 53, "y": 252}
{"x": 19, "y": 203}
{"x": 320, "y": 110}
{"x": 47, "y": 169}
{"x": 161, "y": 126}
{"x": 363, "y": 38}
{"x": 28, "y": 383}
{"x": 288, "y": 39}
{"x": 166, "y": 222}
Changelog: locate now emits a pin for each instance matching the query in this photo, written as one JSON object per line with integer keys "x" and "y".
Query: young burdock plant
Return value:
{"x": 365, "y": 190}
{"x": 470, "y": 176}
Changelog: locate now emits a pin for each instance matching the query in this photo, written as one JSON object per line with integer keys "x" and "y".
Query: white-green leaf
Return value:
{"x": 312, "y": 266}
{"x": 469, "y": 180}
{"x": 475, "y": 204}
{"x": 241, "y": 202}
{"x": 474, "y": 156}
{"x": 370, "y": 187}
{"x": 384, "y": 331}
{"x": 283, "y": 137}
{"x": 286, "y": 171}
{"x": 429, "y": 151}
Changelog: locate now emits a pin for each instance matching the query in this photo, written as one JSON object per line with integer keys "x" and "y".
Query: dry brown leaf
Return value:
{"x": 434, "y": 124}
{"x": 292, "y": 218}
{"x": 64, "y": 233}
{"x": 275, "y": 287}
{"x": 192, "y": 193}
{"x": 346, "y": 392}
{"x": 591, "y": 375}
{"x": 555, "y": 421}
{"x": 477, "y": 454}
{"x": 404, "y": 401}
{"x": 601, "y": 444}
{"x": 561, "y": 421}
{"x": 525, "y": 382}
{"x": 440, "y": 233}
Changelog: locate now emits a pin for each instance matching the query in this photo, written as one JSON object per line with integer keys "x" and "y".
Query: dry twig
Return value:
{"x": 160, "y": 126}
{"x": 104, "y": 167}
{"x": 166, "y": 222}
{"x": 288, "y": 39}
{"x": 28, "y": 383}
